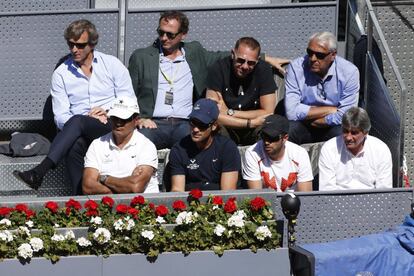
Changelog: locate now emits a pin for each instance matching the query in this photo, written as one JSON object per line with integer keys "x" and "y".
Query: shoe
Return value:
{"x": 30, "y": 178}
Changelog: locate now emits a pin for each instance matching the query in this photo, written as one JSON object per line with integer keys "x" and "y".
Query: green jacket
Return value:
{"x": 144, "y": 68}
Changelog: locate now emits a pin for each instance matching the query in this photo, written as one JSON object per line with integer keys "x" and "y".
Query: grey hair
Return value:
{"x": 356, "y": 117}
{"x": 326, "y": 38}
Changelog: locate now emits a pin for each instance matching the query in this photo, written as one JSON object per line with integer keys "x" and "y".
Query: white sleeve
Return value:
{"x": 147, "y": 154}
{"x": 305, "y": 167}
{"x": 327, "y": 174}
{"x": 384, "y": 170}
{"x": 250, "y": 165}
{"x": 91, "y": 157}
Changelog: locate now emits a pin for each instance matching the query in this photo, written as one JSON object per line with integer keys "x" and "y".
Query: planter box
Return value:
{"x": 200, "y": 263}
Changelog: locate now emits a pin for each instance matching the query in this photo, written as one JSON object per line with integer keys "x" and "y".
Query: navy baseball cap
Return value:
{"x": 275, "y": 125}
{"x": 205, "y": 111}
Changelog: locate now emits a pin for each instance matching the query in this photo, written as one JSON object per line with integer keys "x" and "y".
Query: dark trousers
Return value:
{"x": 72, "y": 143}
{"x": 301, "y": 133}
{"x": 168, "y": 132}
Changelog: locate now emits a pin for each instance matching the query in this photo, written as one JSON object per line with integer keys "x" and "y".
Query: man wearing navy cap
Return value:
{"x": 274, "y": 162}
{"x": 204, "y": 159}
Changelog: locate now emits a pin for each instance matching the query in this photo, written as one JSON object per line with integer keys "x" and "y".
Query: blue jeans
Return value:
{"x": 168, "y": 132}
{"x": 302, "y": 133}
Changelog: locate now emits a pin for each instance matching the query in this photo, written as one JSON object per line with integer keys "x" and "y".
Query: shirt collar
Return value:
{"x": 132, "y": 142}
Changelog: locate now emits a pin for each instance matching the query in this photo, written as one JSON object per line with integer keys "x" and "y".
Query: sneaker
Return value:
{"x": 30, "y": 178}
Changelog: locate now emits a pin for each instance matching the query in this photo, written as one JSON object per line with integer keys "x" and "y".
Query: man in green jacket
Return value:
{"x": 168, "y": 77}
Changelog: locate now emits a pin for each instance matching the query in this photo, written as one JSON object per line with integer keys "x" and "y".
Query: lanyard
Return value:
{"x": 167, "y": 78}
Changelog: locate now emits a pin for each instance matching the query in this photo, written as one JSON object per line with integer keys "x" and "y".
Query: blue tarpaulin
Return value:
{"x": 387, "y": 253}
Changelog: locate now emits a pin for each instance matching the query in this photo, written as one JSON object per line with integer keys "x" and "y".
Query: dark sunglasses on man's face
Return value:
{"x": 200, "y": 125}
{"x": 269, "y": 139}
{"x": 171, "y": 36}
{"x": 78, "y": 45}
{"x": 318, "y": 55}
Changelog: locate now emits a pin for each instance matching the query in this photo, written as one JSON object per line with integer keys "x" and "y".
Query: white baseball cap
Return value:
{"x": 124, "y": 108}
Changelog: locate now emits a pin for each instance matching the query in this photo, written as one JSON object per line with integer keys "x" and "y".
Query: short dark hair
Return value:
{"x": 177, "y": 15}
{"x": 358, "y": 118}
{"x": 250, "y": 42}
{"x": 78, "y": 27}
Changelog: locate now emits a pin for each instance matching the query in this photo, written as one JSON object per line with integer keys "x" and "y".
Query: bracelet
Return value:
{"x": 248, "y": 123}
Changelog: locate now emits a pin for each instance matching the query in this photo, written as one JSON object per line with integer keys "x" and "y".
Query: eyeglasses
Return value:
{"x": 269, "y": 139}
{"x": 321, "y": 90}
{"x": 78, "y": 45}
{"x": 171, "y": 36}
{"x": 200, "y": 125}
{"x": 318, "y": 55}
{"x": 241, "y": 61}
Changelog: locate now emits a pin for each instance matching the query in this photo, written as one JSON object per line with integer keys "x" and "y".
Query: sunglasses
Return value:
{"x": 241, "y": 61}
{"x": 171, "y": 36}
{"x": 78, "y": 45}
{"x": 269, "y": 139}
{"x": 200, "y": 125}
{"x": 318, "y": 55}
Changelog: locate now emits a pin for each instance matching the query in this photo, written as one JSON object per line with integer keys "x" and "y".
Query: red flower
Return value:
{"x": 179, "y": 205}
{"x": 91, "y": 205}
{"x": 29, "y": 213}
{"x": 132, "y": 211}
{"x": 138, "y": 200}
{"x": 121, "y": 209}
{"x": 161, "y": 210}
{"x": 257, "y": 203}
{"x": 21, "y": 208}
{"x": 217, "y": 200}
{"x": 230, "y": 206}
{"x": 151, "y": 205}
{"x": 108, "y": 201}
{"x": 196, "y": 193}
{"x": 5, "y": 211}
{"x": 91, "y": 213}
{"x": 52, "y": 206}
{"x": 71, "y": 203}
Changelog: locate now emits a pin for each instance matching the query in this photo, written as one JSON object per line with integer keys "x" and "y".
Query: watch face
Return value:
{"x": 230, "y": 112}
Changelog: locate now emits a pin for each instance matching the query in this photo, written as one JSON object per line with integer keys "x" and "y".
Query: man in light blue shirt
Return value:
{"x": 320, "y": 88}
{"x": 83, "y": 87}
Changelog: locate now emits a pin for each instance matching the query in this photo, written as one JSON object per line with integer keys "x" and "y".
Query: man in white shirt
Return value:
{"x": 355, "y": 160}
{"x": 123, "y": 161}
{"x": 274, "y": 162}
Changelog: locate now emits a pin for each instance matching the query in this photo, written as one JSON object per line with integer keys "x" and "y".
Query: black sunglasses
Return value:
{"x": 78, "y": 45}
{"x": 200, "y": 125}
{"x": 169, "y": 35}
{"x": 269, "y": 139}
{"x": 318, "y": 55}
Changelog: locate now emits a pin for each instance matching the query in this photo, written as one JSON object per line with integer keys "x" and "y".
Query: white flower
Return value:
{"x": 37, "y": 244}
{"x": 25, "y": 251}
{"x": 129, "y": 223}
{"x": 126, "y": 238}
{"x": 102, "y": 235}
{"x": 219, "y": 230}
{"x": 263, "y": 232}
{"x": 57, "y": 237}
{"x": 119, "y": 225}
{"x": 236, "y": 219}
{"x": 56, "y": 225}
{"x": 147, "y": 234}
{"x": 160, "y": 220}
{"x": 185, "y": 218}
{"x": 69, "y": 235}
{"x": 29, "y": 224}
{"x": 83, "y": 242}
{"x": 215, "y": 207}
{"x": 5, "y": 222}
{"x": 6, "y": 236}
{"x": 116, "y": 242}
{"x": 23, "y": 230}
{"x": 96, "y": 220}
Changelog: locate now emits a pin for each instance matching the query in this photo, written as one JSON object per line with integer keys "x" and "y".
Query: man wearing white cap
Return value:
{"x": 124, "y": 160}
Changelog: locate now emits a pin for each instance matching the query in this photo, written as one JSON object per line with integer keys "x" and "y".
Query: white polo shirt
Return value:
{"x": 279, "y": 175}
{"x": 339, "y": 169}
{"x": 108, "y": 159}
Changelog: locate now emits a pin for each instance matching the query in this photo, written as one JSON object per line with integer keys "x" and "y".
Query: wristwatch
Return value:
{"x": 230, "y": 112}
{"x": 103, "y": 178}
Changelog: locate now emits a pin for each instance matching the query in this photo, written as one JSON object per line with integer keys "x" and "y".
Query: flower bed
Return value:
{"x": 137, "y": 228}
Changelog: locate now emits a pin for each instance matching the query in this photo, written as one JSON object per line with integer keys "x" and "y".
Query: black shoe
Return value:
{"x": 30, "y": 178}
